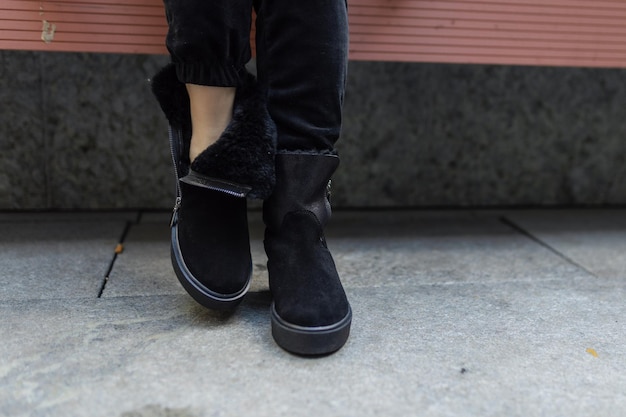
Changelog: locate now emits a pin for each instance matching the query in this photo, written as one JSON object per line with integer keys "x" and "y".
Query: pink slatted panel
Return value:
{"x": 530, "y": 32}
{"x": 126, "y": 26}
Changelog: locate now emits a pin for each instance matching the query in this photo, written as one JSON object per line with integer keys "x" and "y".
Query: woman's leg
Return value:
{"x": 211, "y": 111}
{"x": 223, "y": 145}
{"x": 209, "y": 42}
{"x": 302, "y": 62}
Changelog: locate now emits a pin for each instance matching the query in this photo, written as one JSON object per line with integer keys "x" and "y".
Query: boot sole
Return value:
{"x": 310, "y": 341}
{"x": 199, "y": 292}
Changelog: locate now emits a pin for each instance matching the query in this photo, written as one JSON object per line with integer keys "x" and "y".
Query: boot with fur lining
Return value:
{"x": 210, "y": 245}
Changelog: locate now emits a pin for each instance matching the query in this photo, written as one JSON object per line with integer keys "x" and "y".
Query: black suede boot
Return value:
{"x": 310, "y": 313}
{"x": 210, "y": 245}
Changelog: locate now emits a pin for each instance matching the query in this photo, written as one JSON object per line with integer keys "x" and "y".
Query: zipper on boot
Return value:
{"x": 227, "y": 187}
{"x": 175, "y": 161}
{"x": 174, "y": 218}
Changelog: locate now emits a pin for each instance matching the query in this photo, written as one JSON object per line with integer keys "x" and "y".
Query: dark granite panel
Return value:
{"x": 107, "y": 136}
{"x": 430, "y": 134}
{"x": 23, "y": 154}
{"x": 90, "y": 134}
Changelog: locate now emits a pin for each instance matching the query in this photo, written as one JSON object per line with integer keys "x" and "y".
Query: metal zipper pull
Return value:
{"x": 328, "y": 190}
{"x": 176, "y": 207}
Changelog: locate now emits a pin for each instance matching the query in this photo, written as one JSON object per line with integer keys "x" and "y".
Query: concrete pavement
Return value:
{"x": 456, "y": 313}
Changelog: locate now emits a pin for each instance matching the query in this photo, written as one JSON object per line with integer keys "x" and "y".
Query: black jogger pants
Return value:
{"x": 302, "y": 51}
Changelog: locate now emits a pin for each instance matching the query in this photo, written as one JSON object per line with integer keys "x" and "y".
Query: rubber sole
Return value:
{"x": 310, "y": 341}
{"x": 198, "y": 291}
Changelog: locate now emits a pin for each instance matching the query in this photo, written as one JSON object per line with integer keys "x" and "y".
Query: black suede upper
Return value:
{"x": 304, "y": 282}
{"x": 213, "y": 238}
{"x": 303, "y": 277}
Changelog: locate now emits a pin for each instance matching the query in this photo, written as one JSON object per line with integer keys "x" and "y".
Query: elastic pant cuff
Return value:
{"x": 215, "y": 76}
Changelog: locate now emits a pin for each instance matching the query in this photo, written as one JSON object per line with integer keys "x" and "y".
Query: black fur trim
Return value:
{"x": 172, "y": 97}
{"x": 323, "y": 152}
{"x": 244, "y": 153}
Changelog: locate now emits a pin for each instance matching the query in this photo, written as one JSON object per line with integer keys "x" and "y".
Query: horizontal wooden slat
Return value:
{"x": 137, "y": 8}
{"x": 134, "y": 26}
{"x": 533, "y": 32}
{"x": 82, "y": 28}
{"x": 117, "y": 15}
{"x": 35, "y": 45}
{"x": 550, "y": 32}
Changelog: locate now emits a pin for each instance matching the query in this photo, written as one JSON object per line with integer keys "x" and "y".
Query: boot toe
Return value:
{"x": 216, "y": 294}
{"x": 310, "y": 340}
{"x": 210, "y": 246}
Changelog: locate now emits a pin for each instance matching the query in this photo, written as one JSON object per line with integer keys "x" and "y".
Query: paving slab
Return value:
{"x": 546, "y": 347}
{"x": 144, "y": 267}
{"x": 380, "y": 248}
{"x": 67, "y": 216}
{"x": 594, "y": 239}
{"x": 61, "y": 258}
{"x": 476, "y": 319}
{"x": 406, "y": 247}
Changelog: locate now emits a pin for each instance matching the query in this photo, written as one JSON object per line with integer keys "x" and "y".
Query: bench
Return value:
{"x": 512, "y": 32}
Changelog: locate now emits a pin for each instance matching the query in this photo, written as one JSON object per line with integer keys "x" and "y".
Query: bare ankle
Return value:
{"x": 211, "y": 111}
{"x": 202, "y": 140}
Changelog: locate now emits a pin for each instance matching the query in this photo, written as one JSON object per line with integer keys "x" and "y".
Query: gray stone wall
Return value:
{"x": 83, "y": 131}
{"x": 484, "y": 135}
